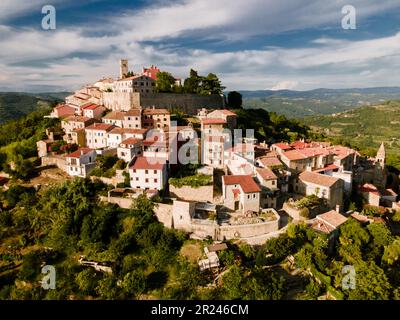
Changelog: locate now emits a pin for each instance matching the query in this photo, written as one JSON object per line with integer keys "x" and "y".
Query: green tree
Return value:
{"x": 134, "y": 283}
{"x": 211, "y": 85}
{"x": 235, "y": 100}
{"x": 87, "y": 281}
{"x": 192, "y": 83}
{"x": 165, "y": 82}
{"x": 392, "y": 252}
{"x": 371, "y": 283}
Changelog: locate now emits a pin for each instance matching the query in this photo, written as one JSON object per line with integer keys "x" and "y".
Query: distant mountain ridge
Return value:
{"x": 298, "y": 104}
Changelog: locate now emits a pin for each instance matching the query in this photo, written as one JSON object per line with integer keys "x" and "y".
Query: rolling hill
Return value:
{"x": 16, "y": 105}
{"x": 298, "y": 104}
{"x": 364, "y": 128}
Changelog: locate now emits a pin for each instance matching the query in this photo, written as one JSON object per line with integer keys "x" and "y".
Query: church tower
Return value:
{"x": 123, "y": 68}
{"x": 381, "y": 156}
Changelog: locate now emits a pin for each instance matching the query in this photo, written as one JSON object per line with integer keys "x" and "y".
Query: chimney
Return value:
{"x": 338, "y": 209}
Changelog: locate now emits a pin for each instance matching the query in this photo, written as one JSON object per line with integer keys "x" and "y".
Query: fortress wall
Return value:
{"x": 189, "y": 103}
{"x": 124, "y": 101}
{"x": 247, "y": 230}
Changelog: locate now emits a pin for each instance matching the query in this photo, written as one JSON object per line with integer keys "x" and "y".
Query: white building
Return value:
{"x": 133, "y": 119}
{"x": 129, "y": 149}
{"x": 148, "y": 173}
{"x": 138, "y": 83}
{"x": 81, "y": 162}
{"x": 96, "y": 135}
{"x": 241, "y": 193}
{"x": 93, "y": 111}
{"x": 115, "y": 118}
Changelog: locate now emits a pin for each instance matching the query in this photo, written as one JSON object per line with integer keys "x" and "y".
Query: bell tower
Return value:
{"x": 381, "y": 156}
{"x": 123, "y": 68}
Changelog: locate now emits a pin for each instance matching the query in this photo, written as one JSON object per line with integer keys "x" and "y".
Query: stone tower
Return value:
{"x": 380, "y": 173}
{"x": 123, "y": 68}
{"x": 381, "y": 156}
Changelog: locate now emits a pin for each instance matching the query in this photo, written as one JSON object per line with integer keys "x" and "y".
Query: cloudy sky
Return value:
{"x": 251, "y": 44}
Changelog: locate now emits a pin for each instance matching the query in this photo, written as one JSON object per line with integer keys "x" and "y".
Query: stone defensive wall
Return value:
{"x": 188, "y": 103}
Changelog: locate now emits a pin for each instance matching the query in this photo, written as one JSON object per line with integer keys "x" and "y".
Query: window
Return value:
{"x": 137, "y": 179}
{"x": 248, "y": 196}
{"x": 146, "y": 172}
{"x": 155, "y": 180}
{"x": 134, "y": 170}
{"x": 147, "y": 180}
{"x": 273, "y": 182}
{"x": 254, "y": 195}
{"x": 155, "y": 171}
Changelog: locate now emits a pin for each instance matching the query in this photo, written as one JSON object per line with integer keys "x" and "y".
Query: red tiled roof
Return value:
{"x": 270, "y": 162}
{"x": 90, "y": 106}
{"x": 213, "y": 121}
{"x": 225, "y": 112}
{"x": 151, "y": 111}
{"x": 100, "y": 126}
{"x": 114, "y": 115}
{"x": 313, "y": 152}
{"x": 328, "y": 221}
{"x": 317, "y": 178}
{"x": 142, "y": 163}
{"x": 282, "y": 146}
{"x": 131, "y": 141}
{"x": 133, "y": 112}
{"x": 266, "y": 174}
{"x": 369, "y": 188}
{"x": 77, "y": 119}
{"x": 64, "y": 110}
{"x": 151, "y": 72}
{"x": 228, "y": 112}
{"x": 117, "y": 130}
{"x": 80, "y": 152}
{"x": 327, "y": 168}
{"x": 293, "y": 155}
{"x": 246, "y": 182}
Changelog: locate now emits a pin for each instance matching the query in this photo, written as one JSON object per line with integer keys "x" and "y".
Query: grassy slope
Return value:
{"x": 16, "y": 105}
{"x": 364, "y": 127}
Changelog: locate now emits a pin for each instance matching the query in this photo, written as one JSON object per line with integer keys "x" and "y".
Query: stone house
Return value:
{"x": 241, "y": 193}
{"x": 329, "y": 188}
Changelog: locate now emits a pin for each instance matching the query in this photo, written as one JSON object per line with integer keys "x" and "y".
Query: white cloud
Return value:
{"x": 285, "y": 85}
{"x": 58, "y": 57}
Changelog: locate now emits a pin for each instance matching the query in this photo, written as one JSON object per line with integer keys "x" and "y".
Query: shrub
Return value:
{"x": 195, "y": 181}
{"x": 305, "y": 213}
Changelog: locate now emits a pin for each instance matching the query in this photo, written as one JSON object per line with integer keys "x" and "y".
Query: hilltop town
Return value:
{"x": 117, "y": 189}
{"x": 220, "y": 187}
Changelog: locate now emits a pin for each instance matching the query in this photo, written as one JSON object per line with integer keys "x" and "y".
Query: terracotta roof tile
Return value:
{"x": 246, "y": 182}
{"x": 318, "y": 179}
{"x": 142, "y": 163}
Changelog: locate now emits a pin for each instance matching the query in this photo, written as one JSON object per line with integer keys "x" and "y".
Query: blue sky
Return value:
{"x": 252, "y": 44}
